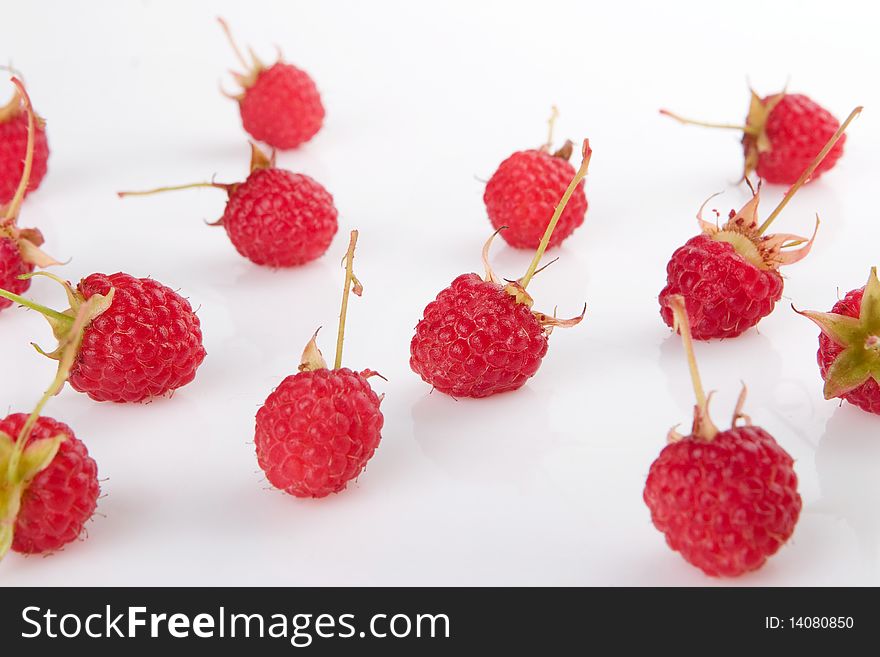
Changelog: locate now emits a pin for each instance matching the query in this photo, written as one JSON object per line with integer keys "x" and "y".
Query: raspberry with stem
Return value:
{"x": 22, "y": 460}
{"x": 275, "y": 218}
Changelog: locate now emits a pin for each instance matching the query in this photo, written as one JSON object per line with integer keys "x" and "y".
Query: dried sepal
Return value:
{"x": 755, "y": 139}
{"x": 259, "y": 159}
{"x": 312, "y": 358}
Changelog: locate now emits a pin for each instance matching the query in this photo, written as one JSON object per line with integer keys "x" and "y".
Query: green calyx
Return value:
{"x": 860, "y": 339}
{"x": 63, "y": 323}
{"x": 17, "y": 469}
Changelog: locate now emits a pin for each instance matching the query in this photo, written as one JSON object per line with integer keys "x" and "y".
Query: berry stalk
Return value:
{"x": 551, "y": 123}
{"x": 752, "y": 130}
{"x": 228, "y": 32}
{"x": 173, "y": 188}
{"x": 805, "y": 176}
{"x": 703, "y": 426}
{"x": 352, "y": 284}
{"x": 545, "y": 240}
{"x": 24, "y": 464}
{"x": 47, "y": 312}
{"x": 15, "y": 204}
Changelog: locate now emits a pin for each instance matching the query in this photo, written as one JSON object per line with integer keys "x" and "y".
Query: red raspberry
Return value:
{"x": 146, "y": 344}
{"x": 725, "y": 293}
{"x": 280, "y": 219}
{"x": 479, "y": 337}
{"x": 282, "y": 107}
{"x": 13, "y": 148}
{"x": 849, "y": 346}
{"x": 280, "y": 104}
{"x": 317, "y": 430}
{"x": 143, "y": 342}
{"x": 796, "y": 129}
{"x": 58, "y": 501}
{"x": 274, "y": 218}
{"x": 783, "y": 134}
{"x": 725, "y": 504}
{"x": 11, "y": 267}
{"x": 476, "y": 340}
{"x": 729, "y": 275}
{"x": 726, "y": 500}
{"x": 523, "y": 192}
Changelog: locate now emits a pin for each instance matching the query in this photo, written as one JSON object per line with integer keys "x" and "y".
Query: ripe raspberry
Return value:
{"x": 476, "y": 340}
{"x": 525, "y": 189}
{"x": 14, "y": 145}
{"x": 725, "y": 293}
{"x": 783, "y": 133}
{"x": 20, "y": 248}
{"x": 849, "y": 346}
{"x": 725, "y": 504}
{"x": 317, "y": 430}
{"x": 143, "y": 340}
{"x": 726, "y": 500}
{"x": 11, "y": 267}
{"x": 479, "y": 337}
{"x": 794, "y": 131}
{"x": 58, "y": 501}
{"x": 275, "y": 218}
{"x": 729, "y": 275}
{"x": 280, "y": 104}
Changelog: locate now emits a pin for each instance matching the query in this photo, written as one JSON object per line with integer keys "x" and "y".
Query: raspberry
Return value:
{"x": 725, "y": 293}
{"x": 796, "y": 129}
{"x": 280, "y": 104}
{"x": 729, "y": 275}
{"x": 19, "y": 248}
{"x": 479, "y": 337}
{"x": 11, "y": 267}
{"x": 141, "y": 339}
{"x": 146, "y": 344}
{"x": 58, "y": 501}
{"x": 476, "y": 340}
{"x": 726, "y": 500}
{"x": 280, "y": 219}
{"x": 783, "y": 133}
{"x": 275, "y": 218}
{"x": 849, "y": 346}
{"x": 317, "y": 430}
{"x": 14, "y": 146}
{"x": 725, "y": 504}
{"x": 525, "y": 189}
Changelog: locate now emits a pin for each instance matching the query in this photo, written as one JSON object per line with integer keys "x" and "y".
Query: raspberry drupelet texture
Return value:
{"x": 57, "y": 503}
{"x": 476, "y": 340}
{"x": 11, "y": 267}
{"x": 725, "y": 293}
{"x": 317, "y": 430}
{"x": 524, "y": 191}
{"x": 796, "y": 129}
{"x": 146, "y": 344}
{"x": 282, "y": 107}
{"x": 278, "y": 218}
{"x": 725, "y": 504}
{"x": 13, "y": 146}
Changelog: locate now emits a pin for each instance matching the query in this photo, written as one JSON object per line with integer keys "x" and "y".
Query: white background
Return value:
{"x": 541, "y": 486}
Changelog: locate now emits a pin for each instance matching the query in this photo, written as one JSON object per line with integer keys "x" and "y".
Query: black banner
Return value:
{"x": 435, "y": 621}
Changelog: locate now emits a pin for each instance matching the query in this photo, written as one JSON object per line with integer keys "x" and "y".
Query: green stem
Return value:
{"x": 43, "y": 310}
{"x": 545, "y": 240}
{"x": 706, "y": 124}
{"x": 809, "y": 171}
{"x": 351, "y": 281}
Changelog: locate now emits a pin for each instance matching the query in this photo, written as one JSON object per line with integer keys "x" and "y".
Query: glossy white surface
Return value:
{"x": 542, "y": 486}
